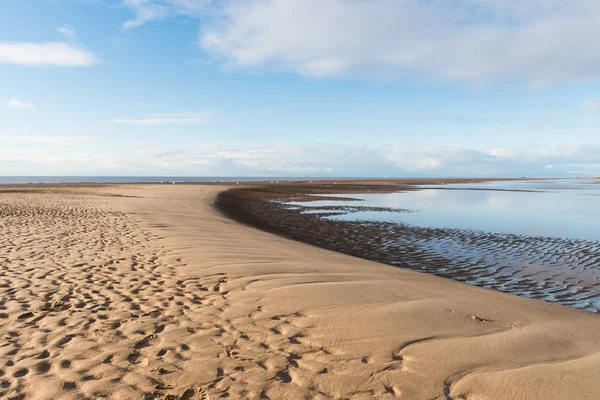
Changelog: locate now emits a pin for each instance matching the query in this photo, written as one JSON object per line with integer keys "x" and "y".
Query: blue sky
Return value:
{"x": 300, "y": 87}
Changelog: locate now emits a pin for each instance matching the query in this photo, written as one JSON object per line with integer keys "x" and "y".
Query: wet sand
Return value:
{"x": 147, "y": 291}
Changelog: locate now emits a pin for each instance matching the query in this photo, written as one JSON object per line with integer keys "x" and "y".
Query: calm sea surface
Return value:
{"x": 538, "y": 239}
{"x": 561, "y": 208}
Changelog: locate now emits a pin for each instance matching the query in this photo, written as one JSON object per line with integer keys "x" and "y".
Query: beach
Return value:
{"x": 531, "y": 239}
{"x": 150, "y": 292}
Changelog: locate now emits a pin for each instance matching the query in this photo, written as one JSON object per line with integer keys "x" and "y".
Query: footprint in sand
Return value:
{"x": 20, "y": 373}
{"x": 42, "y": 367}
{"x": 146, "y": 342}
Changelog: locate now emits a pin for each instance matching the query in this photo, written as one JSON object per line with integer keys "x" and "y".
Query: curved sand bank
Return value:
{"x": 555, "y": 269}
{"x": 160, "y": 296}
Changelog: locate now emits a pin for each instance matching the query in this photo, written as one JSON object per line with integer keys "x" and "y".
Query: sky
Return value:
{"x": 296, "y": 88}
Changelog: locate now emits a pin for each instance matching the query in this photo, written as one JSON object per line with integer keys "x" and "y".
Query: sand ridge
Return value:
{"x": 146, "y": 291}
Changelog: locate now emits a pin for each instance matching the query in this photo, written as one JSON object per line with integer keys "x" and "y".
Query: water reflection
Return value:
{"x": 567, "y": 209}
{"x": 535, "y": 239}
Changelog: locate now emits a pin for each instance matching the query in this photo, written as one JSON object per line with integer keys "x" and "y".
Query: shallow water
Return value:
{"x": 538, "y": 239}
{"x": 564, "y": 208}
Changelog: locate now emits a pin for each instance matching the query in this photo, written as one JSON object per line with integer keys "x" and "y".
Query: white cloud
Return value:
{"x": 68, "y": 32}
{"x": 154, "y": 10}
{"x": 539, "y": 41}
{"x": 314, "y": 160}
{"x": 389, "y": 160}
{"x": 145, "y": 11}
{"x": 164, "y": 119}
{"x": 17, "y": 104}
{"x": 44, "y": 54}
{"x": 46, "y": 138}
{"x": 156, "y": 121}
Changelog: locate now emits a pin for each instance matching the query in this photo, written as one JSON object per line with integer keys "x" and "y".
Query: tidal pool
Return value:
{"x": 538, "y": 239}
{"x": 561, "y": 208}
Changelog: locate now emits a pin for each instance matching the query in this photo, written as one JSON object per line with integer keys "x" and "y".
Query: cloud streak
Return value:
{"x": 68, "y": 32}
{"x": 164, "y": 119}
{"x": 155, "y": 10}
{"x": 145, "y": 11}
{"x": 46, "y": 138}
{"x": 395, "y": 160}
{"x": 18, "y": 104}
{"x": 45, "y": 54}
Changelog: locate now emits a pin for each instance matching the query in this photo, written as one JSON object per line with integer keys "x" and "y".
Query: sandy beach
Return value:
{"x": 149, "y": 292}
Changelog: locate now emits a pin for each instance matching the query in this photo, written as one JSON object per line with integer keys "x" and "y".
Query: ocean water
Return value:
{"x": 559, "y": 208}
{"x": 538, "y": 239}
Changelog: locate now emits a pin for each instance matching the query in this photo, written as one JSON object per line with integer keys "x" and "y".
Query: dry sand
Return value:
{"x": 160, "y": 296}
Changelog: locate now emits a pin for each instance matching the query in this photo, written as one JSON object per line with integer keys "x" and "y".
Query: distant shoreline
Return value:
{"x": 112, "y": 180}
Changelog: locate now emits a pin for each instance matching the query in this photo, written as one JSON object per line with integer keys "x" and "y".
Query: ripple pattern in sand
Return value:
{"x": 564, "y": 271}
{"x": 560, "y": 270}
